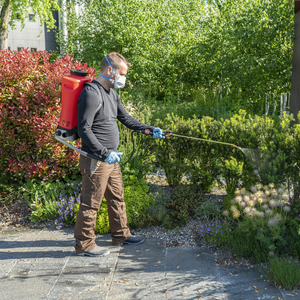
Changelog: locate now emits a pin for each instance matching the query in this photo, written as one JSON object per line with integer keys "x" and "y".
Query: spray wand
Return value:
{"x": 169, "y": 133}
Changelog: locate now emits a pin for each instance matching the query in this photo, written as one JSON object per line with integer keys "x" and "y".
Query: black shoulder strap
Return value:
{"x": 96, "y": 87}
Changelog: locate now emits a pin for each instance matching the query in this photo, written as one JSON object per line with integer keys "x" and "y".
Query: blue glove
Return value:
{"x": 157, "y": 133}
{"x": 113, "y": 157}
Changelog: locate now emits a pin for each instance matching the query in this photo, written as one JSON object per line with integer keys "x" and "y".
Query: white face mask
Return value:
{"x": 119, "y": 83}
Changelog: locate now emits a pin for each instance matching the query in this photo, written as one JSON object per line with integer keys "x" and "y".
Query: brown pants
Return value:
{"x": 100, "y": 179}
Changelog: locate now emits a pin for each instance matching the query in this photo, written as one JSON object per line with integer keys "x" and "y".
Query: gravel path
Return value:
{"x": 183, "y": 237}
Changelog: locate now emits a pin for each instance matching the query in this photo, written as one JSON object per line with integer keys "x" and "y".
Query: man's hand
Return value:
{"x": 113, "y": 157}
{"x": 157, "y": 133}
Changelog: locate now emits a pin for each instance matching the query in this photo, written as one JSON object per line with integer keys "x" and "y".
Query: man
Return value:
{"x": 99, "y": 108}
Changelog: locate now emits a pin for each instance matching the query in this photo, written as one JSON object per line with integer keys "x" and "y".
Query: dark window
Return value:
{"x": 20, "y": 48}
{"x": 33, "y": 49}
{"x": 32, "y": 17}
{"x": 8, "y": 48}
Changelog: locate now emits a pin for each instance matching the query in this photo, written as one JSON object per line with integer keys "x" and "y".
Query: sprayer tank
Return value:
{"x": 72, "y": 85}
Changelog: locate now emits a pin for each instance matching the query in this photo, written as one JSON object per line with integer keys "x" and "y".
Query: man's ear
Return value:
{"x": 109, "y": 70}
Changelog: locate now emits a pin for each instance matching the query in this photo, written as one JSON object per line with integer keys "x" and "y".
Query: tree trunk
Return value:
{"x": 4, "y": 19}
{"x": 295, "y": 90}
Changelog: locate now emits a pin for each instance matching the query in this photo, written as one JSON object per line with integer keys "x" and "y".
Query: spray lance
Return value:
{"x": 169, "y": 133}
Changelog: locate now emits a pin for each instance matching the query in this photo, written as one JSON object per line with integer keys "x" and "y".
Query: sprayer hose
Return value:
{"x": 205, "y": 140}
{"x": 133, "y": 149}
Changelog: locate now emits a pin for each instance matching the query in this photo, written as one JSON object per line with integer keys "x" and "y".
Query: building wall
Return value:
{"x": 31, "y": 36}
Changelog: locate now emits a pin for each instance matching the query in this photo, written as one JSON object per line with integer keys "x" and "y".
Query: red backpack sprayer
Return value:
{"x": 66, "y": 130}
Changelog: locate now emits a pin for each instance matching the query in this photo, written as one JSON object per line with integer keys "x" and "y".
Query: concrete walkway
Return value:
{"x": 40, "y": 264}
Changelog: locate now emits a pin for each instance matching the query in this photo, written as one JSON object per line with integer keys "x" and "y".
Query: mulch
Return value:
{"x": 17, "y": 215}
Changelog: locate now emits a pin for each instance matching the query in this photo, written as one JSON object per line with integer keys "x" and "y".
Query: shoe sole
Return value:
{"x": 93, "y": 255}
{"x": 126, "y": 243}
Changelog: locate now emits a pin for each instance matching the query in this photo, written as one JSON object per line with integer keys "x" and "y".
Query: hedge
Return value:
{"x": 29, "y": 114}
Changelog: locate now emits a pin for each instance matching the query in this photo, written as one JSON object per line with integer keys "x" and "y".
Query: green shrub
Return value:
{"x": 185, "y": 158}
{"x": 284, "y": 272}
{"x": 293, "y": 236}
{"x": 43, "y": 212}
{"x": 171, "y": 154}
{"x": 9, "y": 193}
{"x": 253, "y": 145}
{"x": 182, "y": 204}
{"x": 138, "y": 200}
{"x": 232, "y": 172}
{"x": 156, "y": 211}
{"x": 208, "y": 210}
{"x": 274, "y": 140}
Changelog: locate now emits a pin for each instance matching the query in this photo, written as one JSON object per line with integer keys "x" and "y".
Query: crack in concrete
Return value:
{"x": 222, "y": 286}
{"x": 113, "y": 274}
{"x": 166, "y": 275}
{"x": 48, "y": 294}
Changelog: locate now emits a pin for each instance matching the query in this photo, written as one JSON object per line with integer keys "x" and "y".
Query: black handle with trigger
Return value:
{"x": 145, "y": 131}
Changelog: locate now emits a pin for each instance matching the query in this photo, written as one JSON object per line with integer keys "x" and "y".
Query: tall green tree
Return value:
{"x": 247, "y": 48}
{"x": 235, "y": 47}
{"x": 150, "y": 33}
{"x": 13, "y": 10}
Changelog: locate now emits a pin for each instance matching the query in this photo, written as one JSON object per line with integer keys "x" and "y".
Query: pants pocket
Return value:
{"x": 88, "y": 190}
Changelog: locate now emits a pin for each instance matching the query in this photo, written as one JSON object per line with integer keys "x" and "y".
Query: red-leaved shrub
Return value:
{"x": 29, "y": 114}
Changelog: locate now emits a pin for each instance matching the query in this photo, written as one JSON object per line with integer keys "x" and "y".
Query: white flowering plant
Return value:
{"x": 261, "y": 216}
{"x": 261, "y": 203}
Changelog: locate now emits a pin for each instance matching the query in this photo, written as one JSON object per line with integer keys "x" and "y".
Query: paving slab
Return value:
{"x": 41, "y": 264}
{"x": 249, "y": 284}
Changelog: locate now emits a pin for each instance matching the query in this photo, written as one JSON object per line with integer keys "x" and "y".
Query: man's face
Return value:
{"x": 121, "y": 70}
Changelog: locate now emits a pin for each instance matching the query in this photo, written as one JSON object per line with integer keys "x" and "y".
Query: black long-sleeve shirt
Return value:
{"x": 98, "y": 129}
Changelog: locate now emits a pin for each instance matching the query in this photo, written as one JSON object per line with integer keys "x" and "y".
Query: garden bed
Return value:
{"x": 17, "y": 214}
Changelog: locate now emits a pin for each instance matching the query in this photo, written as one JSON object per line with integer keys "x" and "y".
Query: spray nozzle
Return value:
{"x": 168, "y": 133}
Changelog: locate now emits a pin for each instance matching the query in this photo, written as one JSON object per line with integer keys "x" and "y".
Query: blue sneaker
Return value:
{"x": 133, "y": 240}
